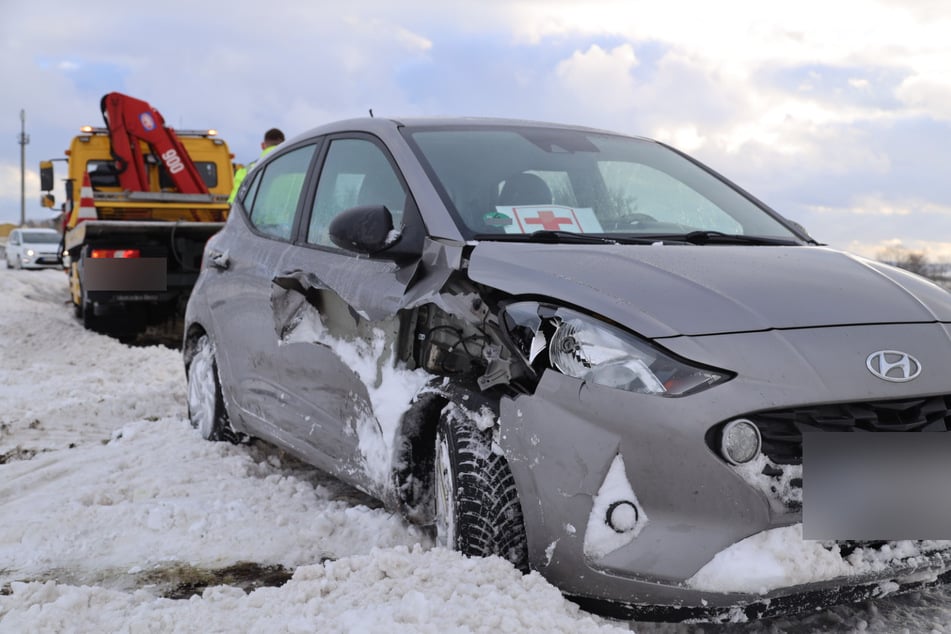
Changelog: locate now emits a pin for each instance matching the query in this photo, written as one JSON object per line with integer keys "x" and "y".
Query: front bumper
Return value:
{"x": 40, "y": 261}
{"x": 563, "y": 440}
{"x": 799, "y": 600}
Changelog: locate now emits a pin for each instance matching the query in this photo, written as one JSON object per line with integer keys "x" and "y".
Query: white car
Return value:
{"x": 33, "y": 249}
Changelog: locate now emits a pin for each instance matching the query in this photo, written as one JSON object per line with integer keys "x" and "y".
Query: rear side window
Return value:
{"x": 206, "y": 169}
{"x": 272, "y": 199}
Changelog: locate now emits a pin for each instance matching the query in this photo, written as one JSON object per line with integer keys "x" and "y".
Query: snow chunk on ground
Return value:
{"x": 388, "y": 591}
{"x": 157, "y": 493}
{"x": 781, "y": 557}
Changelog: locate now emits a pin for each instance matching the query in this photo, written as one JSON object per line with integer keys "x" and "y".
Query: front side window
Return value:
{"x": 356, "y": 172}
{"x": 272, "y": 199}
{"x": 102, "y": 173}
{"x": 520, "y": 179}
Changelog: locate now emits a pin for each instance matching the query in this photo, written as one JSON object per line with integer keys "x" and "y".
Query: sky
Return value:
{"x": 150, "y": 506}
{"x": 836, "y": 114}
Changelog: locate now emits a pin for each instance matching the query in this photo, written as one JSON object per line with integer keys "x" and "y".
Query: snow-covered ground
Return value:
{"x": 110, "y": 504}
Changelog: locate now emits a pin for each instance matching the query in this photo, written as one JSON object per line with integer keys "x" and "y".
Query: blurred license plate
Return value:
{"x": 876, "y": 485}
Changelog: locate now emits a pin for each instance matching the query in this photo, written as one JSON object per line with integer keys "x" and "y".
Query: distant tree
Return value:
{"x": 914, "y": 261}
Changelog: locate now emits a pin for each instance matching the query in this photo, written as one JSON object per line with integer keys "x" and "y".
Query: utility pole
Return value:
{"x": 23, "y": 139}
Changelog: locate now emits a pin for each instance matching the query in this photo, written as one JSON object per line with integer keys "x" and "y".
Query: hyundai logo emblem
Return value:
{"x": 893, "y": 365}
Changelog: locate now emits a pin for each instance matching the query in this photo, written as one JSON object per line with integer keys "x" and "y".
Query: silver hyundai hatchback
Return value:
{"x": 586, "y": 353}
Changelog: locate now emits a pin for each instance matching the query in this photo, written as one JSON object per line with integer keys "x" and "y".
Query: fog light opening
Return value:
{"x": 740, "y": 441}
{"x": 622, "y": 516}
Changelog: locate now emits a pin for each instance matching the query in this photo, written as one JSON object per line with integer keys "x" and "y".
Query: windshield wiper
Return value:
{"x": 692, "y": 237}
{"x": 718, "y": 237}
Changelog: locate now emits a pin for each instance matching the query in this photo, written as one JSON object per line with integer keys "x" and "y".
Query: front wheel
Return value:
{"x": 206, "y": 408}
{"x": 477, "y": 507}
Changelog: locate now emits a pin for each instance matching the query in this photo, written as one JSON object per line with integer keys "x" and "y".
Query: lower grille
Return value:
{"x": 782, "y": 430}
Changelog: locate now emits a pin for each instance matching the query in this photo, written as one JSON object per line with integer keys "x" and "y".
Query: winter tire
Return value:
{"x": 206, "y": 408}
{"x": 477, "y": 507}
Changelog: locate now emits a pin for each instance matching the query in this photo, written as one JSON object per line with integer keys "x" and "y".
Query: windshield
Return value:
{"x": 40, "y": 237}
{"x": 511, "y": 181}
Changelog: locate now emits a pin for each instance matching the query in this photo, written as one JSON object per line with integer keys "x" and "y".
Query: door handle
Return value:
{"x": 218, "y": 259}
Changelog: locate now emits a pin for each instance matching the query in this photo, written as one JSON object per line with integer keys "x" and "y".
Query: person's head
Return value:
{"x": 272, "y": 137}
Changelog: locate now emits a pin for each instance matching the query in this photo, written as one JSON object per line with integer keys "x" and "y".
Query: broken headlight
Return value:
{"x": 587, "y": 348}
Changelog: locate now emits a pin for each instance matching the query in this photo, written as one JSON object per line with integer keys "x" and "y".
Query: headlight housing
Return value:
{"x": 589, "y": 349}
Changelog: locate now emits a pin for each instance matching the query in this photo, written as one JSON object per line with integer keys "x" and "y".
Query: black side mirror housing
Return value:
{"x": 368, "y": 229}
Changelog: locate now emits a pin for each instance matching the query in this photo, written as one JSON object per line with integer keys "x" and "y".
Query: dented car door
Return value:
{"x": 336, "y": 316}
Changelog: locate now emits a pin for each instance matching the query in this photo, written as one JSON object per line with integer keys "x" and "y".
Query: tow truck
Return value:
{"x": 141, "y": 201}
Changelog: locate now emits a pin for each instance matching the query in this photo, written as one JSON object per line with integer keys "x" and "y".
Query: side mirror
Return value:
{"x": 47, "y": 200}
{"x": 367, "y": 229}
{"x": 46, "y": 175}
{"x": 798, "y": 227}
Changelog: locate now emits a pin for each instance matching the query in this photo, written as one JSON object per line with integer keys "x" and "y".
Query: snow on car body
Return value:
{"x": 584, "y": 352}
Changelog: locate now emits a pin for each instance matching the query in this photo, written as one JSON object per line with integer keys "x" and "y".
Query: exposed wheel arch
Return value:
{"x": 415, "y": 449}
{"x": 414, "y": 476}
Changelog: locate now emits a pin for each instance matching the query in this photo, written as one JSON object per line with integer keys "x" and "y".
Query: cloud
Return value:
{"x": 918, "y": 224}
{"x": 933, "y": 250}
{"x": 600, "y": 79}
{"x": 820, "y": 108}
{"x": 927, "y": 93}
{"x": 10, "y": 192}
{"x": 685, "y": 138}
{"x": 878, "y": 205}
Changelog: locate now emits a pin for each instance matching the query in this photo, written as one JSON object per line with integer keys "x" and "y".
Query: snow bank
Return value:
{"x": 103, "y": 480}
{"x": 393, "y": 590}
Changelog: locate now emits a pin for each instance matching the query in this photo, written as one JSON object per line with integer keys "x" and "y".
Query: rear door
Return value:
{"x": 246, "y": 256}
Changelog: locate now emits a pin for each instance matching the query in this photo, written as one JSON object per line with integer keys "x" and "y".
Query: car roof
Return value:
{"x": 383, "y": 126}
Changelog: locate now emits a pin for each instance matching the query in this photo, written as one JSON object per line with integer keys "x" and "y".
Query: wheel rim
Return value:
{"x": 201, "y": 389}
{"x": 445, "y": 499}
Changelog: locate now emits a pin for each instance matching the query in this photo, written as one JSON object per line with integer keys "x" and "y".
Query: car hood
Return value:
{"x": 671, "y": 290}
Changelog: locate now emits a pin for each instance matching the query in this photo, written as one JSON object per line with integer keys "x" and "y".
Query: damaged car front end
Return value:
{"x": 582, "y": 352}
{"x": 675, "y": 463}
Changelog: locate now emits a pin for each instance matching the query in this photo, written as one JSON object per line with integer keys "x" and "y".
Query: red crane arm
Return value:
{"x": 132, "y": 120}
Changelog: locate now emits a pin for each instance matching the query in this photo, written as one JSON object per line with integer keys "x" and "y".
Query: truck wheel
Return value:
{"x": 87, "y": 313}
{"x": 477, "y": 507}
{"x": 206, "y": 408}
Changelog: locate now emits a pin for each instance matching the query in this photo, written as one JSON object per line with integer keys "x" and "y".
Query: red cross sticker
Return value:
{"x": 549, "y": 221}
{"x": 528, "y": 218}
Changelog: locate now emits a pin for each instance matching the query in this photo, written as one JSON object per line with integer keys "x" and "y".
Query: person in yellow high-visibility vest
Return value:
{"x": 272, "y": 138}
